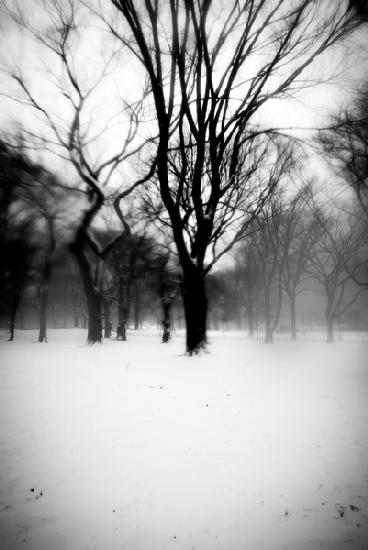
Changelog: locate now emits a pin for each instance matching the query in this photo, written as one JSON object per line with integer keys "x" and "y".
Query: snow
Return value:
{"x": 134, "y": 446}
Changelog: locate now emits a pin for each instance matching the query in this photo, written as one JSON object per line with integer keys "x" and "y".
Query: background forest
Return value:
{"x": 177, "y": 199}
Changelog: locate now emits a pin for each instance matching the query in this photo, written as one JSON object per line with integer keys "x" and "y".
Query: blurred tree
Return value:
{"x": 69, "y": 122}
{"x": 16, "y": 249}
{"x": 346, "y": 144}
{"x": 168, "y": 288}
{"x": 335, "y": 248}
{"x": 299, "y": 231}
{"x": 267, "y": 245}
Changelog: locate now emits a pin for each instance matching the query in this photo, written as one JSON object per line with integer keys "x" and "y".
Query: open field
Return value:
{"x": 134, "y": 446}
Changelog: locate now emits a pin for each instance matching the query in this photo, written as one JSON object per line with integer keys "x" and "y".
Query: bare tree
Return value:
{"x": 44, "y": 197}
{"x": 346, "y": 146}
{"x": 299, "y": 231}
{"x": 212, "y": 66}
{"x": 267, "y": 244}
{"x": 67, "y": 123}
{"x": 335, "y": 248}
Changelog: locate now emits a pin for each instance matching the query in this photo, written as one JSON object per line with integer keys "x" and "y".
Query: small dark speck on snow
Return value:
{"x": 341, "y": 511}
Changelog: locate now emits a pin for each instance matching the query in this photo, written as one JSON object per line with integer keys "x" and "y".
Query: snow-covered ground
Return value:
{"x": 134, "y": 446}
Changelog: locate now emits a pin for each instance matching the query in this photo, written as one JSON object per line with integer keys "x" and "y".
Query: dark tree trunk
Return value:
{"x": 268, "y": 320}
{"x": 43, "y": 302}
{"x": 195, "y": 309}
{"x": 166, "y": 322}
{"x": 137, "y": 307}
{"x": 123, "y": 309}
{"x": 45, "y": 283}
{"x": 107, "y": 318}
{"x": 13, "y": 315}
{"x": 43, "y": 317}
{"x": 92, "y": 295}
{"x": 14, "y": 306}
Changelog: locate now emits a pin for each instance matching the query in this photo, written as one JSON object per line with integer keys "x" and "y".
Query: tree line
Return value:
{"x": 189, "y": 150}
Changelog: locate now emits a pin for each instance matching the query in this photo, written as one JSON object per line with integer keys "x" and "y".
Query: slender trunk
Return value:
{"x": 42, "y": 303}
{"x": 166, "y": 322}
{"x": 107, "y": 318}
{"x": 123, "y": 310}
{"x": 122, "y": 323}
{"x": 330, "y": 328}
{"x": 45, "y": 283}
{"x": 13, "y": 315}
{"x": 195, "y": 309}
{"x": 293, "y": 331}
{"x": 268, "y": 319}
{"x": 76, "y": 319}
{"x": 43, "y": 316}
{"x": 329, "y": 318}
{"x": 137, "y": 306}
{"x": 250, "y": 291}
{"x": 92, "y": 295}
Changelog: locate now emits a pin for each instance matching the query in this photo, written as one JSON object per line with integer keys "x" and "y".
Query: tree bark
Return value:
{"x": 43, "y": 314}
{"x": 92, "y": 295}
{"x": 195, "y": 309}
{"x": 166, "y": 322}
{"x": 107, "y": 318}
{"x": 268, "y": 319}
{"x": 123, "y": 310}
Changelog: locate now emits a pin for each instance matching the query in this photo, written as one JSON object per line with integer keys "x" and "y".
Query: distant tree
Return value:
{"x": 267, "y": 245}
{"x": 45, "y": 196}
{"x": 247, "y": 267}
{"x": 128, "y": 261}
{"x": 299, "y": 231}
{"x": 334, "y": 249}
{"x": 168, "y": 288}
